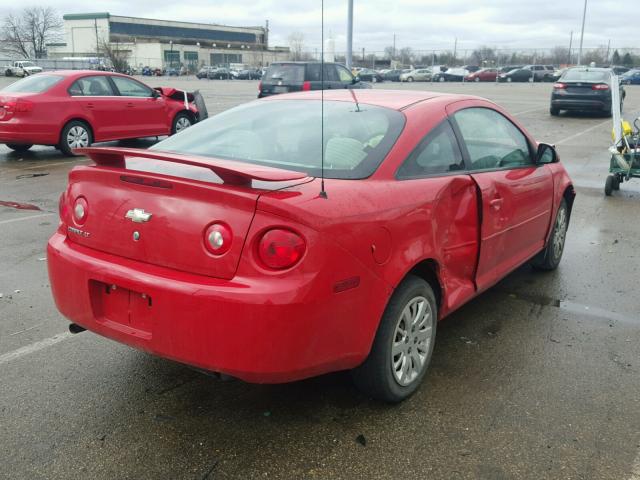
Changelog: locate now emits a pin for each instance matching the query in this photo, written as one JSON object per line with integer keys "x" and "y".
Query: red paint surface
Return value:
{"x": 233, "y": 314}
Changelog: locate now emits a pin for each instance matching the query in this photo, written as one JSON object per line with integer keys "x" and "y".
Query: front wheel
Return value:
{"x": 509, "y": 80}
{"x": 477, "y": 79}
{"x": 549, "y": 258}
{"x": 403, "y": 345}
{"x": 19, "y": 147}
{"x": 410, "y": 79}
{"x": 609, "y": 185}
{"x": 554, "y": 111}
{"x": 182, "y": 121}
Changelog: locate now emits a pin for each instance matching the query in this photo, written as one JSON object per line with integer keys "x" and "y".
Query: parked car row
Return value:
{"x": 224, "y": 73}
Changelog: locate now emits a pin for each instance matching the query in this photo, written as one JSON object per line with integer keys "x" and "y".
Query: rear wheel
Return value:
{"x": 402, "y": 348}
{"x": 477, "y": 79}
{"x": 410, "y": 79}
{"x": 19, "y": 147}
{"x": 554, "y": 111}
{"x": 75, "y": 134}
{"x": 549, "y": 258}
{"x": 180, "y": 122}
{"x": 608, "y": 185}
{"x": 509, "y": 79}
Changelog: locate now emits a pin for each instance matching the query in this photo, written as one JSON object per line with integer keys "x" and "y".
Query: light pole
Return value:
{"x": 349, "y": 34}
{"x": 584, "y": 15}
{"x": 171, "y": 54}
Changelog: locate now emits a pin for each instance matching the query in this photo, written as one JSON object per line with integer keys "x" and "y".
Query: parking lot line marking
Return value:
{"x": 529, "y": 111}
{"x": 567, "y": 139}
{"x": 33, "y": 167}
{"x": 11, "y": 220}
{"x": 34, "y": 347}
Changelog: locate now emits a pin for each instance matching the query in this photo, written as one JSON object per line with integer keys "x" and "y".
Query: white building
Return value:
{"x": 163, "y": 43}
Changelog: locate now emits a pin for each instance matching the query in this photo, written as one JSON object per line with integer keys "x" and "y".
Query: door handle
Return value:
{"x": 130, "y": 105}
{"x": 496, "y": 203}
{"x": 89, "y": 105}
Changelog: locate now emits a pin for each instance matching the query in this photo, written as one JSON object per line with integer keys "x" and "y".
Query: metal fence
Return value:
{"x": 53, "y": 64}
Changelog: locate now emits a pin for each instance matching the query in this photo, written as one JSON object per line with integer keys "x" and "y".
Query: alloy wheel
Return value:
{"x": 182, "y": 123}
{"x": 560, "y": 233}
{"x": 412, "y": 340}
{"x": 78, "y": 137}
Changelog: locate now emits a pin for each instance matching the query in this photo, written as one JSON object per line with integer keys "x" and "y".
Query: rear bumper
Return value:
{"x": 260, "y": 330}
{"x": 580, "y": 104}
{"x": 13, "y": 131}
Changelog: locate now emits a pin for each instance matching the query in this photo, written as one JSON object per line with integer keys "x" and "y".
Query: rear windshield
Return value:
{"x": 288, "y": 134}
{"x": 35, "y": 84}
{"x": 575, "y": 75}
{"x": 285, "y": 73}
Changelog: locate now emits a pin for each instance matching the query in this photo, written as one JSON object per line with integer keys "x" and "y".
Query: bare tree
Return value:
{"x": 296, "y": 45}
{"x": 117, "y": 57}
{"x": 27, "y": 34}
{"x": 406, "y": 55}
{"x": 389, "y": 52}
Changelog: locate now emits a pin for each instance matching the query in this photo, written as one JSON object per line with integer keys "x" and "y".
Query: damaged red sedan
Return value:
{"x": 73, "y": 109}
{"x": 223, "y": 248}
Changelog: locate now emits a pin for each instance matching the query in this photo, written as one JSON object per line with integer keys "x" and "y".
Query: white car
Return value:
{"x": 22, "y": 68}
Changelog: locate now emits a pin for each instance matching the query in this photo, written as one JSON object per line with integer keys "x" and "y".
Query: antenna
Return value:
{"x": 323, "y": 193}
{"x": 355, "y": 99}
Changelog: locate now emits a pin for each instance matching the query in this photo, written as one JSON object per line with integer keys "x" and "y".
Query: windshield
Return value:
{"x": 576, "y": 75}
{"x": 286, "y": 73}
{"x": 35, "y": 84}
{"x": 27, "y": 64}
{"x": 288, "y": 134}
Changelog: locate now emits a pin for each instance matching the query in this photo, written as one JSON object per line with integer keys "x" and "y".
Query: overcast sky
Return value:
{"x": 421, "y": 24}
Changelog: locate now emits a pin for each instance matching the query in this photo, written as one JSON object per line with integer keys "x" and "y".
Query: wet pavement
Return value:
{"x": 538, "y": 378}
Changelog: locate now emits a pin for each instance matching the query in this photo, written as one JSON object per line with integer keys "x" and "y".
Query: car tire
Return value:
{"x": 554, "y": 111}
{"x": 441, "y": 79}
{"x": 8, "y": 73}
{"x": 78, "y": 130}
{"x": 374, "y": 80}
{"x": 19, "y": 147}
{"x": 383, "y": 375}
{"x": 616, "y": 182}
{"x": 477, "y": 79}
{"x": 181, "y": 121}
{"x": 549, "y": 258}
{"x": 410, "y": 79}
{"x": 509, "y": 79}
{"x": 608, "y": 185}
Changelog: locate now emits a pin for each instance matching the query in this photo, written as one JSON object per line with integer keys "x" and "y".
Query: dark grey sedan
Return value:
{"x": 584, "y": 89}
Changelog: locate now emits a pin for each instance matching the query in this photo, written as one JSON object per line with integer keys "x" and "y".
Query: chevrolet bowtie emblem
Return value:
{"x": 138, "y": 215}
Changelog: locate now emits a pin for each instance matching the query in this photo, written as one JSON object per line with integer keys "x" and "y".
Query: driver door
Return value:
{"x": 516, "y": 193}
{"x": 146, "y": 113}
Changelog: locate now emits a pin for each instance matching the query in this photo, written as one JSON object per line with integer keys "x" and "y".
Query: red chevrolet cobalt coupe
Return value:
{"x": 222, "y": 248}
{"x": 73, "y": 109}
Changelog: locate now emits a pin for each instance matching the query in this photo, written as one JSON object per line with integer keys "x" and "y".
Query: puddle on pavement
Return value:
{"x": 574, "y": 307}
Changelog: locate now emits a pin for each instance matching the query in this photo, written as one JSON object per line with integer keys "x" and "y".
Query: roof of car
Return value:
{"x": 394, "y": 99}
{"x": 71, "y": 73}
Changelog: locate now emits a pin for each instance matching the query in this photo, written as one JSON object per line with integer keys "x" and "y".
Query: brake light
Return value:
{"x": 600, "y": 86}
{"x": 80, "y": 210}
{"x": 217, "y": 238}
{"x": 260, "y": 86}
{"x": 559, "y": 86}
{"x": 279, "y": 248}
{"x": 306, "y": 86}
{"x": 62, "y": 207}
{"x": 11, "y": 105}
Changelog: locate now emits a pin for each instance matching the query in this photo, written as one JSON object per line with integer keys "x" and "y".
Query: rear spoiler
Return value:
{"x": 230, "y": 171}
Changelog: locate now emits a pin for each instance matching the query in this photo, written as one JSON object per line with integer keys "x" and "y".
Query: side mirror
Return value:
{"x": 155, "y": 94}
{"x": 356, "y": 79}
{"x": 546, "y": 154}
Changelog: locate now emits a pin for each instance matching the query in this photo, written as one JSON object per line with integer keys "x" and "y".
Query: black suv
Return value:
{"x": 285, "y": 77}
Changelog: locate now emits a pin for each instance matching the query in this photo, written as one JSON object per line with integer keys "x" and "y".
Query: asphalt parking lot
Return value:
{"x": 538, "y": 378}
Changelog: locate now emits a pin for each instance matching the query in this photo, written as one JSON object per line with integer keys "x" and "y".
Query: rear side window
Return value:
{"x": 96, "y": 86}
{"x": 493, "y": 142}
{"x": 437, "y": 153}
{"x": 130, "y": 88}
{"x": 287, "y": 73}
{"x": 35, "y": 84}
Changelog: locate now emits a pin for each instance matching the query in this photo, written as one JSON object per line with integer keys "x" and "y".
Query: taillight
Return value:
{"x": 559, "y": 86}
{"x": 80, "y": 210}
{"x": 260, "y": 86}
{"x": 217, "y": 238}
{"x": 10, "y": 106}
{"x": 600, "y": 86}
{"x": 62, "y": 207}
{"x": 306, "y": 86}
{"x": 279, "y": 248}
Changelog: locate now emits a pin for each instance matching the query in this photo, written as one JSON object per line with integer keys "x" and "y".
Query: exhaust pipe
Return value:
{"x": 75, "y": 328}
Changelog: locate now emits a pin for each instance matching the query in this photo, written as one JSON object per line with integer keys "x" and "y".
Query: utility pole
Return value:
{"x": 95, "y": 25}
{"x": 349, "y": 35}
{"x": 584, "y": 16}
{"x": 570, "y": 45}
{"x": 394, "y": 46}
{"x": 608, "y": 48}
{"x": 455, "y": 49}
{"x": 362, "y": 54}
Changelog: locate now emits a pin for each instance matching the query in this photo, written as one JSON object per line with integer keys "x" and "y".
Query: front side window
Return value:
{"x": 492, "y": 141}
{"x": 96, "y": 86}
{"x": 438, "y": 153}
{"x": 288, "y": 134}
{"x": 130, "y": 88}
{"x": 345, "y": 76}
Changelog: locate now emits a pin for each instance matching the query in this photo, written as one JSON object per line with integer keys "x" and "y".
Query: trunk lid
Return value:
{"x": 134, "y": 212}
